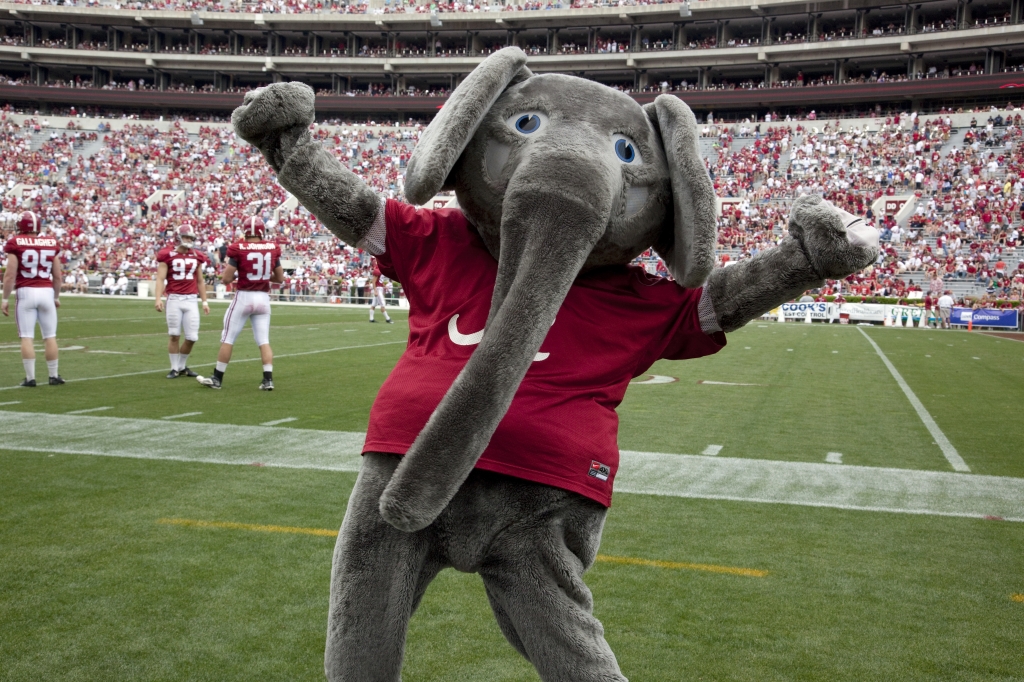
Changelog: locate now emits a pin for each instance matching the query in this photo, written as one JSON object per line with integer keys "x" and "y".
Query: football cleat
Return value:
{"x": 186, "y": 373}
{"x": 267, "y": 385}
{"x": 209, "y": 382}
{"x": 373, "y": 321}
{"x": 56, "y": 381}
{"x": 28, "y": 383}
{"x": 173, "y": 374}
{"x": 390, "y": 321}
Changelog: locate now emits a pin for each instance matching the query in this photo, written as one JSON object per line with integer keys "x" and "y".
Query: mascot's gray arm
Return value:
{"x": 276, "y": 120}
{"x": 824, "y": 243}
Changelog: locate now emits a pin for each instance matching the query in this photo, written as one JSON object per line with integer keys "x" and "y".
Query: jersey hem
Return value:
{"x": 508, "y": 470}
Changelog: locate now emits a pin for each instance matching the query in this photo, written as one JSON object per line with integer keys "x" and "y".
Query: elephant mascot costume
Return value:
{"x": 491, "y": 447}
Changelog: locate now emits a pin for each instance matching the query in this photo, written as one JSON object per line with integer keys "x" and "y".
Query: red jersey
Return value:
{"x": 35, "y": 256}
{"x": 561, "y": 428}
{"x": 256, "y": 262}
{"x": 183, "y": 269}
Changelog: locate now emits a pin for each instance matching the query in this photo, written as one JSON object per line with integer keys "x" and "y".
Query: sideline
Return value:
{"x": 403, "y": 303}
{"x": 812, "y": 484}
{"x": 952, "y": 456}
{"x": 211, "y": 364}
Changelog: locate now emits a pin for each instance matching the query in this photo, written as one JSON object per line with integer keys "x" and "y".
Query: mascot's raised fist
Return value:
{"x": 837, "y": 243}
{"x": 274, "y": 118}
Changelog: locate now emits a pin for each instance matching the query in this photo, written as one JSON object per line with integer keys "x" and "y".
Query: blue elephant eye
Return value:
{"x": 528, "y": 123}
{"x": 624, "y": 150}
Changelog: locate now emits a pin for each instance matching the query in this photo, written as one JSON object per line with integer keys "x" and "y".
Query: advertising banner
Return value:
{"x": 863, "y": 312}
{"x": 904, "y": 315}
{"x": 819, "y": 311}
{"x": 985, "y": 317}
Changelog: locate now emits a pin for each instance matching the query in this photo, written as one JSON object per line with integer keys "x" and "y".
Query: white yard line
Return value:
{"x": 650, "y": 473}
{"x": 834, "y": 458}
{"x": 11, "y": 402}
{"x": 952, "y": 456}
{"x": 211, "y": 364}
{"x": 275, "y": 422}
{"x": 184, "y": 414}
{"x": 724, "y": 383}
{"x": 712, "y": 450}
{"x": 91, "y": 409}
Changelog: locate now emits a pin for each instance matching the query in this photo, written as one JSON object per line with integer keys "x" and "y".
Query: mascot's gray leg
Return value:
{"x": 378, "y": 576}
{"x": 533, "y": 573}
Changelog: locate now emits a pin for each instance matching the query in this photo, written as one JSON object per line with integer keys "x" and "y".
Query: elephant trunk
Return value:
{"x": 545, "y": 239}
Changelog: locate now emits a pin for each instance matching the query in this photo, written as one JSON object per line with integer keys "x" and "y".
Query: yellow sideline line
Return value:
{"x": 295, "y": 530}
{"x": 326, "y": 532}
{"x": 711, "y": 568}
{"x": 1017, "y": 597}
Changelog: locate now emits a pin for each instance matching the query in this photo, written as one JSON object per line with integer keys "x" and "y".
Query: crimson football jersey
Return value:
{"x": 256, "y": 262}
{"x": 183, "y": 269}
{"x": 561, "y": 428}
{"x": 35, "y": 256}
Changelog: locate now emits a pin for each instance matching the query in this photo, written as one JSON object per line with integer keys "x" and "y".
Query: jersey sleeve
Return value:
{"x": 163, "y": 256}
{"x": 234, "y": 255}
{"x": 12, "y": 248}
{"x": 412, "y": 239}
{"x": 681, "y": 336}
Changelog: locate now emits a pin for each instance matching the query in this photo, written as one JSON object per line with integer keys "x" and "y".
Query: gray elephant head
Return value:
{"x": 558, "y": 174}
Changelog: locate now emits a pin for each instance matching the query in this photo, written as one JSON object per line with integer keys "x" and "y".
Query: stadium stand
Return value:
{"x": 114, "y": 124}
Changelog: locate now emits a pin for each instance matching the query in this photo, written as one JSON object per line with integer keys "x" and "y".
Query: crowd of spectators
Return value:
{"x": 343, "y": 7}
{"x": 115, "y": 204}
{"x": 966, "y": 223}
{"x": 114, "y": 196}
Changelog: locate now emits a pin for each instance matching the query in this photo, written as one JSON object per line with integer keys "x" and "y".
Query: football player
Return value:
{"x": 34, "y": 274}
{"x": 257, "y": 263}
{"x": 378, "y": 294}
{"x": 179, "y": 274}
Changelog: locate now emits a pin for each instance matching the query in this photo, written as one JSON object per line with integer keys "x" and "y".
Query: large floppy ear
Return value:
{"x": 688, "y": 243}
{"x": 442, "y": 143}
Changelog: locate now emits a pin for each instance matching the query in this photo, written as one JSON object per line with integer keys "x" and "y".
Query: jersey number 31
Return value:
{"x": 262, "y": 266}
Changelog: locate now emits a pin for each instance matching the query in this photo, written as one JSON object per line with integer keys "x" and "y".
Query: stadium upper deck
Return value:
{"x": 740, "y": 58}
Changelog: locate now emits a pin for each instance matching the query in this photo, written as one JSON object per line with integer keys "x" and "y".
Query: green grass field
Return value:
{"x": 881, "y": 567}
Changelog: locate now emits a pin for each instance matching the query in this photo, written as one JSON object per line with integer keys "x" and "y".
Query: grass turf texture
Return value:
{"x": 94, "y": 588}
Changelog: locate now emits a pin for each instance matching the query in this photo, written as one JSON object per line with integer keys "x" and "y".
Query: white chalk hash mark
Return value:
{"x": 275, "y": 422}
{"x": 834, "y": 458}
{"x": 655, "y": 379}
{"x": 179, "y": 416}
{"x": 91, "y": 409}
{"x": 952, "y": 456}
{"x": 712, "y": 450}
{"x": 11, "y": 402}
{"x": 72, "y": 347}
{"x": 725, "y": 383}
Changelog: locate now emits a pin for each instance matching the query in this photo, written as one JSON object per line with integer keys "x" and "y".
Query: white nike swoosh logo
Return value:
{"x": 460, "y": 339}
